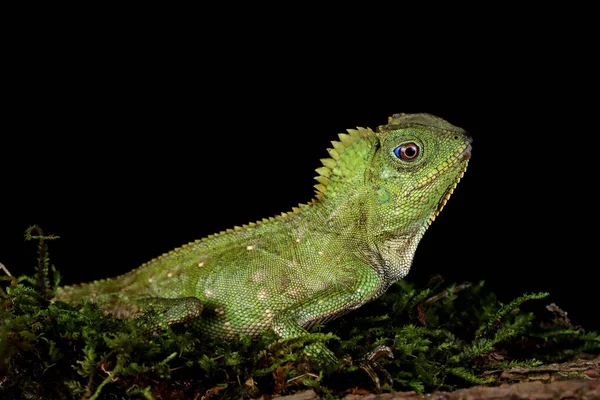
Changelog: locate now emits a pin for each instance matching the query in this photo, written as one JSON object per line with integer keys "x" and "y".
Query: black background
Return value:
{"x": 130, "y": 145}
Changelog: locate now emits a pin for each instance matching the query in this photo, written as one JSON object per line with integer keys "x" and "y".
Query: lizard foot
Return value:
{"x": 370, "y": 365}
{"x": 321, "y": 356}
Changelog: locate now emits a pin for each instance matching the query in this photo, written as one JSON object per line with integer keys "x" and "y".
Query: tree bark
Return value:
{"x": 577, "y": 380}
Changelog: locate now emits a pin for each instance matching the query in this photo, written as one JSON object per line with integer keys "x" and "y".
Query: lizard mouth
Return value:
{"x": 465, "y": 155}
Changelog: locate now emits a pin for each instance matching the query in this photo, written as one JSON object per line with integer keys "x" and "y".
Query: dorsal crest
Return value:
{"x": 335, "y": 166}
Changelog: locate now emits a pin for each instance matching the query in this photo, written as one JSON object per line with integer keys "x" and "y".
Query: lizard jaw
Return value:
{"x": 464, "y": 156}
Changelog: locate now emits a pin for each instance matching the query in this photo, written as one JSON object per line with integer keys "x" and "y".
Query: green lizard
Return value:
{"x": 375, "y": 198}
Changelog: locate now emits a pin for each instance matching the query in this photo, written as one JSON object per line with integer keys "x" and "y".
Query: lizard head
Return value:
{"x": 419, "y": 161}
{"x": 402, "y": 174}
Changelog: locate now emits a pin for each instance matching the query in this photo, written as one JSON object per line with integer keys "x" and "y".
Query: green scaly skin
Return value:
{"x": 311, "y": 265}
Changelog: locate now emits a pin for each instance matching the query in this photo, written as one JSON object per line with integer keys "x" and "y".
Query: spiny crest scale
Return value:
{"x": 339, "y": 148}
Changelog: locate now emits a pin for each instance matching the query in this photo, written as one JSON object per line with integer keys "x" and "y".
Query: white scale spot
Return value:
{"x": 250, "y": 247}
{"x": 208, "y": 293}
{"x": 220, "y": 310}
{"x": 294, "y": 292}
{"x": 262, "y": 294}
{"x": 268, "y": 315}
{"x": 201, "y": 264}
{"x": 298, "y": 240}
{"x": 259, "y": 275}
{"x": 170, "y": 274}
{"x": 150, "y": 280}
{"x": 320, "y": 253}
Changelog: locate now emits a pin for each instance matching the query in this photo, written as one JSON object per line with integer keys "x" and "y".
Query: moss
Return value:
{"x": 442, "y": 337}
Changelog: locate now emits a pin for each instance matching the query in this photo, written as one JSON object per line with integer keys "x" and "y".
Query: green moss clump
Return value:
{"x": 442, "y": 337}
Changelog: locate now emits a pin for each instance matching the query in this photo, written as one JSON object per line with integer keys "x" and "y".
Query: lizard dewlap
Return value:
{"x": 375, "y": 197}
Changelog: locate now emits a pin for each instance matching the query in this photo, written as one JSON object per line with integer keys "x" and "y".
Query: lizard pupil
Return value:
{"x": 407, "y": 151}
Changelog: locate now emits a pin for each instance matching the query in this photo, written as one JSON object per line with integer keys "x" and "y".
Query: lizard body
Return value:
{"x": 376, "y": 196}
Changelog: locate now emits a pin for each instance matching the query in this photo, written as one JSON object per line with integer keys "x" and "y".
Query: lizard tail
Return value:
{"x": 76, "y": 293}
{"x": 101, "y": 291}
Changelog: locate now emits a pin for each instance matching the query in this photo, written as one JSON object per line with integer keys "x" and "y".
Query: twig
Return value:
{"x": 5, "y": 269}
{"x": 446, "y": 293}
{"x": 2, "y": 292}
{"x": 302, "y": 376}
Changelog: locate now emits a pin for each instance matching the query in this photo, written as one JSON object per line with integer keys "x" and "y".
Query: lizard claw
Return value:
{"x": 370, "y": 365}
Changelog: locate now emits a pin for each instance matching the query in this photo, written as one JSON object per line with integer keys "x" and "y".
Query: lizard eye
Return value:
{"x": 407, "y": 151}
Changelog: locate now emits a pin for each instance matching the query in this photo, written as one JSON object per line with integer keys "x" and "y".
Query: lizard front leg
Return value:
{"x": 329, "y": 303}
{"x": 287, "y": 327}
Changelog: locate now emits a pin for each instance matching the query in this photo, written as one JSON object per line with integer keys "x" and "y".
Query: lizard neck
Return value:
{"x": 386, "y": 247}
